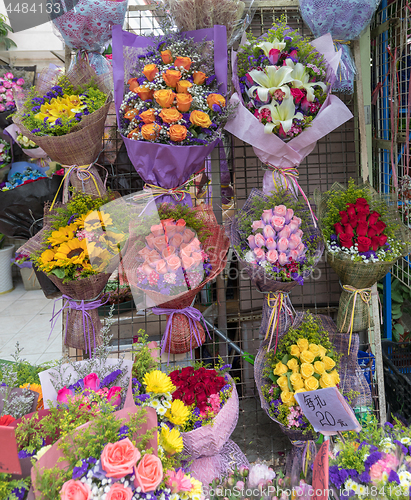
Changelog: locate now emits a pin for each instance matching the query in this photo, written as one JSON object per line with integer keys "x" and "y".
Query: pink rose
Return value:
{"x": 20, "y": 81}
{"x": 299, "y": 233}
{"x": 154, "y": 254}
{"x": 259, "y": 240}
{"x": 170, "y": 230}
{"x": 195, "y": 244}
{"x": 148, "y": 473}
{"x": 173, "y": 263}
{"x": 176, "y": 240}
{"x": 272, "y": 256}
{"x": 92, "y": 382}
{"x": 301, "y": 249}
{"x": 9, "y": 76}
{"x": 185, "y": 250}
{"x": 282, "y": 245}
{"x": 259, "y": 254}
{"x": 282, "y": 259}
{"x": 268, "y": 232}
{"x": 280, "y": 211}
{"x": 160, "y": 243}
{"x": 157, "y": 230}
{"x": 118, "y": 459}
{"x": 295, "y": 223}
{"x": 266, "y": 216}
{"x": 181, "y": 224}
{"x": 376, "y": 471}
{"x": 277, "y": 222}
{"x": 119, "y": 492}
{"x": 152, "y": 260}
{"x": 146, "y": 269}
{"x": 2, "y": 97}
{"x": 257, "y": 224}
{"x": 150, "y": 240}
{"x": 188, "y": 235}
{"x": 294, "y": 255}
{"x": 114, "y": 396}
{"x": 251, "y": 241}
{"x": 168, "y": 251}
{"x": 7, "y": 85}
{"x": 198, "y": 258}
{"x": 270, "y": 244}
{"x": 10, "y": 103}
{"x": 144, "y": 252}
{"x": 285, "y": 232}
{"x": 161, "y": 266}
{"x": 2, "y": 107}
{"x": 293, "y": 241}
{"x": 2, "y": 88}
{"x": 75, "y": 490}
{"x": 167, "y": 222}
{"x": 63, "y": 395}
{"x": 187, "y": 262}
{"x": 289, "y": 215}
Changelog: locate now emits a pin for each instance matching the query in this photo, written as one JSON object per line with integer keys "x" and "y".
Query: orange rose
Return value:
{"x": 171, "y": 77}
{"x": 130, "y": 134}
{"x": 144, "y": 93}
{"x": 181, "y": 224}
{"x": 131, "y": 114}
{"x": 200, "y": 118}
{"x": 160, "y": 243}
{"x": 187, "y": 262}
{"x": 150, "y": 131}
{"x": 168, "y": 252}
{"x": 173, "y": 263}
{"x": 133, "y": 84}
{"x": 185, "y": 62}
{"x": 170, "y": 115}
{"x": 148, "y": 473}
{"x": 118, "y": 459}
{"x": 148, "y": 116}
{"x": 176, "y": 240}
{"x": 157, "y": 229}
{"x": 177, "y": 133}
{"x": 166, "y": 56}
{"x": 215, "y": 99}
{"x": 188, "y": 235}
{"x": 167, "y": 222}
{"x": 184, "y": 102}
{"x": 183, "y": 86}
{"x": 164, "y": 97}
{"x": 199, "y": 77}
{"x": 75, "y": 489}
{"x": 161, "y": 267}
{"x": 150, "y": 71}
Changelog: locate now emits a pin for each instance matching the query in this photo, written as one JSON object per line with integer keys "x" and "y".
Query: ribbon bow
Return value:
{"x": 277, "y": 302}
{"x": 365, "y": 295}
{"x": 78, "y": 305}
{"x": 193, "y": 315}
{"x": 290, "y": 175}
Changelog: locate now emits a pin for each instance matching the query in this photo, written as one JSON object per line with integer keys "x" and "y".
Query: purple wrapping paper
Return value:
{"x": 164, "y": 165}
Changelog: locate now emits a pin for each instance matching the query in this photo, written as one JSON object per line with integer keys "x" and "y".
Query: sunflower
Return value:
{"x": 72, "y": 252}
{"x": 47, "y": 260}
{"x": 99, "y": 257}
{"x": 178, "y": 413}
{"x": 171, "y": 440}
{"x": 35, "y": 388}
{"x": 97, "y": 219}
{"x": 63, "y": 234}
{"x": 80, "y": 220}
{"x": 158, "y": 382}
{"x": 111, "y": 240}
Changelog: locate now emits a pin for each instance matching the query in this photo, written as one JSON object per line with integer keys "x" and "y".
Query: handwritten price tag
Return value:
{"x": 327, "y": 411}
{"x": 320, "y": 473}
{"x": 9, "y": 459}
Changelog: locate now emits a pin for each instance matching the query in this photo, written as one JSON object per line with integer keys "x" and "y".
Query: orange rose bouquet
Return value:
{"x": 170, "y": 103}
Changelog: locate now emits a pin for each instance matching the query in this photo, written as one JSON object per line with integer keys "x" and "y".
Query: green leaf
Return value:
{"x": 285, "y": 359}
{"x": 399, "y": 328}
{"x": 396, "y": 284}
{"x": 290, "y": 386}
{"x": 59, "y": 273}
{"x": 272, "y": 377}
{"x": 395, "y": 335}
{"x": 397, "y": 297}
{"x": 396, "y": 315}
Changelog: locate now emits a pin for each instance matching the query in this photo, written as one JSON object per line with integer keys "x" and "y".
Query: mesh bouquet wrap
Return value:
{"x": 278, "y": 312}
{"x": 167, "y": 166}
{"x": 86, "y": 28}
{"x": 351, "y": 376}
{"x": 344, "y": 20}
{"x": 189, "y": 15}
{"x": 183, "y": 330}
{"x": 357, "y": 278}
{"x": 283, "y": 157}
{"x": 81, "y": 147}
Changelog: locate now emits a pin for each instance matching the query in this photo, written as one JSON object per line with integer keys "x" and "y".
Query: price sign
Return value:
{"x": 9, "y": 459}
{"x": 320, "y": 473}
{"x": 327, "y": 411}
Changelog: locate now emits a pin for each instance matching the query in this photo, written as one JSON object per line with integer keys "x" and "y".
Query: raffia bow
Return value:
{"x": 277, "y": 301}
{"x": 365, "y": 295}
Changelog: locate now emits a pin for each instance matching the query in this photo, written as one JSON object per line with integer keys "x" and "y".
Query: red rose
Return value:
{"x": 178, "y": 394}
{"x": 189, "y": 398}
{"x": 297, "y": 95}
{"x": 344, "y": 217}
{"x": 187, "y": 371}
{"x": 345, "y": 240}
{"x": 6, "y": 420}
{"x": 348, "y": 230}
{"x": 362, "y": 213}
{"x": 351, "y": 211}
{"x": 382, "y": 240}
{"x": 175, "y": 375}
{"x": 375, "y": 243}
{"x": 363, "y": 243}
{"x": 371, "y": 231}
{"x": 380, "y": 226}
{"x": 353, "y": 221}
{"x": 362, "y": 228}
{"x": 201, "y": 398}
{"x": 372, "y": 219}
{"x": 361, "y": 202}
{"x": 338, "y": 228}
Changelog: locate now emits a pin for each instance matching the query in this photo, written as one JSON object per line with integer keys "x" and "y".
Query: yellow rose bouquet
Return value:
{"x": 305, "y": 360}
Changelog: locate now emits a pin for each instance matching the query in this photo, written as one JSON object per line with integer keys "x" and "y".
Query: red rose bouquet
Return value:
{"x": 364, "y": 236}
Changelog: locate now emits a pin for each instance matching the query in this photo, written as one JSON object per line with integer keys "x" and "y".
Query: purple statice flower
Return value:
{"x": 352, "y": 473}
{"x": 393, "y": 477}
{"x": 136, "y": 384}
{"x": 404, "y": 449}
{"x": 141, "y": 399}
{"x": 35, "y": 130}
{"x": 71, "y": 219}
{"x": 372, "y": 459}
{"x": 364, "y": 477}
{"x": 225, "y": 367}
{"x": 296, "y": 277}
{"x": 227, "y": 387}
{"x": 196, "y": 412}
{"x": 216, "y": 108}
{"x": 80, "y": 471}
{"x": 58, "y": 122}
{"x": 210, "y": 80}
{"x": 78, "y": 386}
{"x": 388, "y": 426}
{"x": 110, "y": 378}
{"x": 333, "y": 237}
{"x": 123, "y": 432}
{"x": 334, "y": 475}
{"x": 25, "y": 454}
{"x": 36, "y": 109}
{"x": 19, "y": 493}
{"x": 197, "y": 424}
{"x": 141, "y": 80}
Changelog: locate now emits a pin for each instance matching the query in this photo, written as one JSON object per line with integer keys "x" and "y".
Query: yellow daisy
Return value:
{"x": 171, "y": 440}
{"x": 63, "y": 234}
{"x": 158, "y": 382}
{"x": 197, "y": 487}
{"x": 178, "y": 413}
{"x": 72, "y": 252}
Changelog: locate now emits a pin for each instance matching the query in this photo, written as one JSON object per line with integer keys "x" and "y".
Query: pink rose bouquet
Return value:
{"x": 8, "y": 83}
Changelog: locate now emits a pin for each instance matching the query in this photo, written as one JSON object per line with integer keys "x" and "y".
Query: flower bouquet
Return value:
{"x": 29, "y": 147}
{"x": 5, "y": 157}
{"x": 78, "y": 248}
{"x": 8, "y": 83}
{"x": 345, "y": 21}
{"x": 170, "y": 104}
{"x": 364, "y": 237}
{"x": 171, "y": 255}
{"x": 86, "y": 28}
{"x": 283, "y": 85}
{"x": 276, "y": 239}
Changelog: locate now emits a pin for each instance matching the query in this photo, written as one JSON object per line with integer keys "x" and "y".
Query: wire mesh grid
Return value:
{"x": 231, "y": 304}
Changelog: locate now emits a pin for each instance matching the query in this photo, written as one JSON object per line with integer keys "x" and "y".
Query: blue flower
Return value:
{"x": 393, "y": 477}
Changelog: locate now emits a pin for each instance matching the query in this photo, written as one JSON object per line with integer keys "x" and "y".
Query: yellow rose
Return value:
{"x": 296, "y": 381}
{"x": 336, "y": 377}
{"x": 183, "y": 86}
{"x": 170, "y": 115}
{"x": 293, "y": 365}
{"x": 327, "y": 380}
{"x": 150, "y": 71}
{"x": 166, "y": 56}
{"x": 294, "y": 351}
{"x": 300, "y": 390}
{"x": 319, "y": 367}
{"x": 184, "y": 102}
{"x": 200, "y": 119}
{"x": 148, "y": 116}
{"x": 171, "y": 77}
{"x": 215, "y": 99}
{"x": 307, "y": 357}
{"x": 199, "y": 77}
{"x": 164, "y": 97}
{"x": 323, "y": 351}
{"x": 302, "y": 344}
{"x": 177, "y": 133}
{"x": 282, "y": 383}
{"x": 280, "y": 369}
{"x": 306, "y": 370}
{"x": 150, "y": 131}
{"x": 311, "y": 384}
{"x": 328, "y": 363}
{"x": 288, "y": 398}
{"x": 184, "y": 62}
{"x": 314, "y": 349}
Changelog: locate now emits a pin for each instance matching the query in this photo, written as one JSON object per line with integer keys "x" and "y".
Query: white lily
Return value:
{"x": 270, "y": 80}
{"x": 281, "y": 114}
{"x": 275, "y": 44}
{"x": 301, "y": 79}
